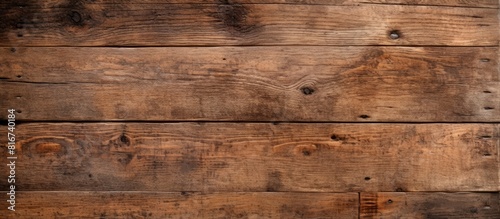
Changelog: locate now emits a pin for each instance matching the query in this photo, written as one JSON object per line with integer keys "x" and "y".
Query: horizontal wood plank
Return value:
{"x": 255, "y": 157}
{"x": 457, "y": 3}
{"x": 133, "y": 23}
{"x": 454, "y": 3}
{"x": 425, "y": 84}
{"x": 429, "y": 205}
{"x": 183, "y": 205}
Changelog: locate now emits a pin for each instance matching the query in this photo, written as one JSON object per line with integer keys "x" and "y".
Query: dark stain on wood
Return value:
{"x": 274, "y": 183}
{"x": 14, "y": 16}
{"x": 233, "y": 17}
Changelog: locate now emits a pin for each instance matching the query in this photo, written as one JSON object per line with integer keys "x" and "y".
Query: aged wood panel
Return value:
{"x": 184, "y": 205}
{"x": 429, "y": 205}
{"x": 82, "y": 23}
{"x": 256, "y": 157}
{"x": 457, "y": 3}
{"x": 426, "y": 84}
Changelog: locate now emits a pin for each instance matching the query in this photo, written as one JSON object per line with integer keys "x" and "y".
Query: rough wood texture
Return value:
{"x": 428, "y": 84}
{"x": 429, "y": 205}
{"x": 83, "y": 23}
{"x": 253, "y": 157}
{"x": 455, "y": 3}
{"x": 184, "y": 205}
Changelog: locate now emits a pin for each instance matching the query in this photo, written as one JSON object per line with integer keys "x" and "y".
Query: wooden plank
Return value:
{"x": 185, "y": 205}
{"x": 83, "y": 23}
{"x": 429, "y": 205}
{"x": 458, "y": 3}
{"x": 255, "y": 157}
{"x": 428, "y": 84}
{"x": 453, "y": 3}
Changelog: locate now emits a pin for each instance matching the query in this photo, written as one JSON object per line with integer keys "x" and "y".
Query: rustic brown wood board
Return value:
{"x": 251, "y": 108}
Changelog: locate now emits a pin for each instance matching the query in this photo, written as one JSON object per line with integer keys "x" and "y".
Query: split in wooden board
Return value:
{"x": 256, "y": 157}
{"x": 135, "y": 23}
{"x": 286, "y": 83}
{"x": 64, "y": 204}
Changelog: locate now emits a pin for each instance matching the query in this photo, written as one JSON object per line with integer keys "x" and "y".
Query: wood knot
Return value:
{"x": 305, "y": 150}
{"x": 233, "y": 15}
{"x": 307, "y": 90}
{"x": 75, "y": 17}
{"x": 233, "y": 18}
{"x": 125, "y": 139}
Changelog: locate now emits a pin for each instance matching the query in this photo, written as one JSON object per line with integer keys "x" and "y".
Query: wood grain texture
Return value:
{"x": 255, "y": 157}
{"x": 429, "y": 205}
{"x": 133, "y": 23}
{"x": 428, "y": 84}
{"x": 453, "y": 3}
{"x": 184, "y": 205}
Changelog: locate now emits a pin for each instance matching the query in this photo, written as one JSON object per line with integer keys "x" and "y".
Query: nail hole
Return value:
{"x": 367, "y": 178}
{"x": 13, "y": 49}
{"x": 307, "y": 90}
{"x": 485, "y": 60}
{"x": 335, "y": 138}
{"x": 486, "y": 136}
{"x": 364, "y": 116}
{"x": 306, "y": 153}
{"x": 19, "y": 35}
{"x": 395, "y": 34}
{"x": 19, "y": 111}
{"x": 224, "y": 59}
{"x": 389, "y": 201}
{"x": 19, "y": 76}
{"x": 488, "y": 108}
{"x": 487, "y": 92}
{"x": 487, "y": 154}
{"x": 90, "y": 175}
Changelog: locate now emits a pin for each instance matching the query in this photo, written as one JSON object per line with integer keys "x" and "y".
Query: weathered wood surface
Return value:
{"x": 453, "y": 3}
{"x": 184, "y": 205}
{"x": 428, "y": 84}
{"x": 429, "y": 205}
{"x": 256, "y": 157}
{"x": 134, "y": 23}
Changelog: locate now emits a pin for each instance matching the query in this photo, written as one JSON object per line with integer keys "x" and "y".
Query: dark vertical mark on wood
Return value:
{"x": 274, "y": 183}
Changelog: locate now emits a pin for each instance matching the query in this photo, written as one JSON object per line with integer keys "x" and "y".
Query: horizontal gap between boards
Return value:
{"x": 4, "y": 122}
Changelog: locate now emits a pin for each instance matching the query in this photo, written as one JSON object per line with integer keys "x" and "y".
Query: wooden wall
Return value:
{"x": 252, "y": 108}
